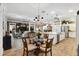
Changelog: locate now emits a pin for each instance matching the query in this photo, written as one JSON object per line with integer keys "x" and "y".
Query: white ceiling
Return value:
{"x": 30, "y": 10}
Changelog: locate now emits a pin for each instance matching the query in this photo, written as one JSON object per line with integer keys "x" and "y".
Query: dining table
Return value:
{"x": 38, "y": 42}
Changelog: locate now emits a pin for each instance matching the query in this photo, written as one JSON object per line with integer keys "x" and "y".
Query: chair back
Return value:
{"x": 31, "y": 34}
{"x": 24, "y": 40}
{"x": 49, "y": 43}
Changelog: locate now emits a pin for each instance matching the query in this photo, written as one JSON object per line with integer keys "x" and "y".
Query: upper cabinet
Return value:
{"x": 56, "y": 20}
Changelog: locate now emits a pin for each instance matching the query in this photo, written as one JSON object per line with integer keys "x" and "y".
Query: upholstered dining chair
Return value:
{"x": 31, "y": 37}
{"x": 27, "y": 47}
{"x": 47, "y": 47}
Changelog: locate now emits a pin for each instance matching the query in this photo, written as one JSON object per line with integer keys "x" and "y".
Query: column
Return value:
{"x": 4, "y": 20}
{"x": 77, "y": 32}
{"x": 1, "y": 30}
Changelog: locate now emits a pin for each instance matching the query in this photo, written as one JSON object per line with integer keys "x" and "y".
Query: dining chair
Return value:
{"x": 27, "y": 47}
{"x": 47, "y": 47}
{"x": 31, "y": 37}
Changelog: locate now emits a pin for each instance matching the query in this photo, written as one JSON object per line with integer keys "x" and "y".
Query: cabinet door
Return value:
{"x": 72, "y": 34}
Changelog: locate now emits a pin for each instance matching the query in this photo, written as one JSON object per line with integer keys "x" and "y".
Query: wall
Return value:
{"x": 1, "y": 30}
{"x": 77, "y": 29}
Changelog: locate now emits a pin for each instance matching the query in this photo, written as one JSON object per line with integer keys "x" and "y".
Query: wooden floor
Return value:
{"x": 66, "y": 47}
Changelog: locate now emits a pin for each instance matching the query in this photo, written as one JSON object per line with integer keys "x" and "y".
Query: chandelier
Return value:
{"x": 38, "y": 17}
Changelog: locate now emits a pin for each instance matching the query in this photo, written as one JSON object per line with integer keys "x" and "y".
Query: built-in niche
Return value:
{"x": 32, "y": 27}
{"x": 22, "y": 27}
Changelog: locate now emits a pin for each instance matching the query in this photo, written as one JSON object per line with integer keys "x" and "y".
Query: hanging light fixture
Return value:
{"x": 38, "y": 17}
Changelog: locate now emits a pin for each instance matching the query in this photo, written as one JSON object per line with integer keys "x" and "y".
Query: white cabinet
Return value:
{"x": 17, "y": 44}
{"x": 72, "y": 34}
{"x": 62, "y": 36}
{"x": 55, "y": 39}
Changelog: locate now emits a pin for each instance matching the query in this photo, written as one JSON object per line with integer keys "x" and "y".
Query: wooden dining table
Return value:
{"x": 38, "y": 43}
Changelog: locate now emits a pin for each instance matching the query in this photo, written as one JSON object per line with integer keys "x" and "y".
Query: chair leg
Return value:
{"x": 27, "y": 53}
{"x": 23, "y": 52}
{"x": 51, "y": 52}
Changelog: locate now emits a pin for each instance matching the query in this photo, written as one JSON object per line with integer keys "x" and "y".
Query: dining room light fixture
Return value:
{"x": 38, "y": 17}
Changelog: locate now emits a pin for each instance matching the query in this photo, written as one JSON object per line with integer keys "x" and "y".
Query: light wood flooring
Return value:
{"x": 66, "y": 47}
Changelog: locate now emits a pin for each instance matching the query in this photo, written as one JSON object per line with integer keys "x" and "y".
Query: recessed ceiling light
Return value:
{"x": 53, "y": 12}
{"x": 71, "y": 11}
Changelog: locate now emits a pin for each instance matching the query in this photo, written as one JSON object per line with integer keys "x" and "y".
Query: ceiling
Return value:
{"x": 47, "y": 10}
